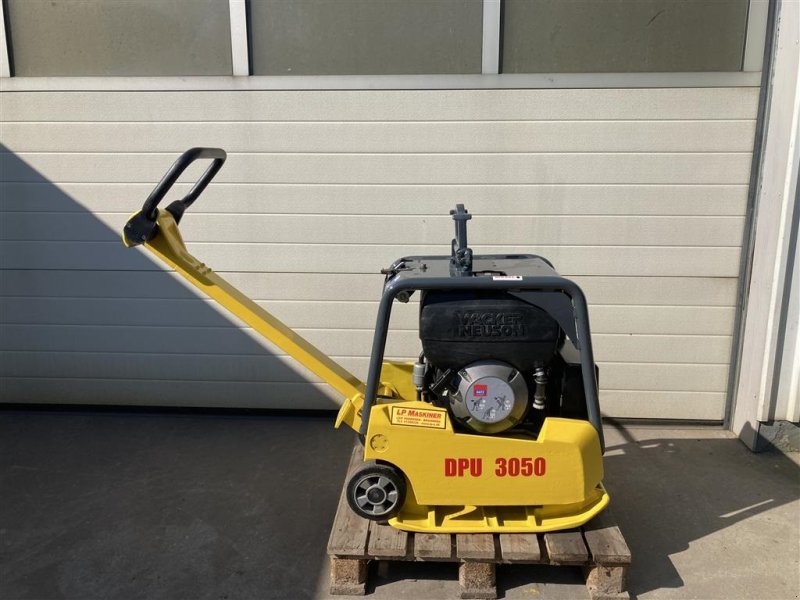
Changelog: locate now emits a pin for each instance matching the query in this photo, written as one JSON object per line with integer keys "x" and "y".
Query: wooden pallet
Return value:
{"x": 598, "y": 547}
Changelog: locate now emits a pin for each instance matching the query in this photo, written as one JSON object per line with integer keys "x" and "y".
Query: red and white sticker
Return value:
{"x": 480, "y": 390}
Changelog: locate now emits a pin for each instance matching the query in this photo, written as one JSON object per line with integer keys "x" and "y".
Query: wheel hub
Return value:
{"x": 376, "y": 495}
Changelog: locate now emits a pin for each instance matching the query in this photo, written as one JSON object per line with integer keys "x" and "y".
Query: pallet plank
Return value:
{"x": 475, "y": 546}
{"x": 349, "y": 532}
{"x": 433, "y": 546}
{"x": 520, "y": 547}
{"x": 605, "y": 541}
{"x": 566, "y": 547}
{"x": 386, "y": 541}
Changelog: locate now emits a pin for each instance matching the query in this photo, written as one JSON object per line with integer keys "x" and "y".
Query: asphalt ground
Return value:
{"x": 125, "y": 505}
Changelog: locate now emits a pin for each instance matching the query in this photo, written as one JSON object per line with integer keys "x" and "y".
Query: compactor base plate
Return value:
{"x": 598, "y": 547}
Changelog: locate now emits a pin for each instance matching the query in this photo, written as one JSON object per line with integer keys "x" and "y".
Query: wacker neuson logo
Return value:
{"x": 489, "y": 324}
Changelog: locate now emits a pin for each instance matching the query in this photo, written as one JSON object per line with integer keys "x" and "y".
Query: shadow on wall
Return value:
{"x": 84, "y": 320}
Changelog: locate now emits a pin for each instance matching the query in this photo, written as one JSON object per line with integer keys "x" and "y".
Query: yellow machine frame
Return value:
{"x": 456, "y": 482}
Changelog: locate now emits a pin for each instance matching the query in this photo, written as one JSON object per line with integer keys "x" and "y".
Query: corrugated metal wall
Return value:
{"x": 638, "y": 194}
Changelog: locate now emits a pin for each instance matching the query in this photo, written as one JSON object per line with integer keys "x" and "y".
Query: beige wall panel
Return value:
{"x": 639, "y": 194}
{"x": 340, "y": 137}
{"x": 319, "y": 258}
{"x": 434, "y": 200}
{"x": 268, "y": 368}
{"x": 381, "y": 105}
{"x": 678, "y": 168}
{"x": 705, "y": 406}
{"x": 674, "y": 405}
{"x": 336, "y": 342}
{"x": 678, "y": 377}
{"x": 509, "y": 231}
{"x": 170, "y": 392}
{"x": 671, "y": 291}
{"x": 694, "y": 320}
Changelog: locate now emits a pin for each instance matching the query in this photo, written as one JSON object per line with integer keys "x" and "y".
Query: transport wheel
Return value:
{"x": 376, "y": 492}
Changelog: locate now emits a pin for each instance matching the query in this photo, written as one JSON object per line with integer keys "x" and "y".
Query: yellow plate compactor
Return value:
{"x": 494, "y": 428}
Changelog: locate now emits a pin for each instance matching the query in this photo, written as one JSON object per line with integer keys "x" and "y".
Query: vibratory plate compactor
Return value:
{"x": 494, "y": 428}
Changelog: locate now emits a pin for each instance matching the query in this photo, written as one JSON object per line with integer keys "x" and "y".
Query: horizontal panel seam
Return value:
{"x": 408, "y": 216}
{"x": 156, "y": 269}
{"x": 382, "y": 121}
{"x": 197, "y": 242}
{"x": 368, "y": 153}
{"x": 379, "y": 185}
{"x": 81, "y": 211}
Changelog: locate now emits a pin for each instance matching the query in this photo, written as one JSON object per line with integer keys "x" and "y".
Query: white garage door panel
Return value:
{"x": 336, "y": 342}
{"x": 639, "y": 195}
{"x": 695, "y": 320}
{"x": 677, "y": 168}
{"x": 319, "y": 258}
{"x": 455, "y": 137}
{"x": 671, "y": 377}
{"x": 447, "y": 105}
{"x": 672, "y": 405}
{"x": 411, "y": 231}
{"x": 150, "y": 392}
{"x": 269, "y": 368}
{"x": 417, "y": 200}
{"x": 674, "y": 291}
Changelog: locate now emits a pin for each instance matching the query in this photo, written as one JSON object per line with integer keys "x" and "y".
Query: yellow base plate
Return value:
{"x": 498, "y": 519}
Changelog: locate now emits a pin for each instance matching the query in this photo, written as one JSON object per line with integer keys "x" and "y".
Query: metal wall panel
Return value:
{"x": 385, "y": 105}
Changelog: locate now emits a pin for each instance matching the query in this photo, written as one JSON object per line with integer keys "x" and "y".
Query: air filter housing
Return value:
{"x": 459, "y": 328}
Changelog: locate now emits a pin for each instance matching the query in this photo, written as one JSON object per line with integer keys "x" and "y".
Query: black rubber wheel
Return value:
{"x": 376, "y": 492}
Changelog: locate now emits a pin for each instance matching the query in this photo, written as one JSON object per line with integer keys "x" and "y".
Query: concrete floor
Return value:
{"x": 133, "y": 505}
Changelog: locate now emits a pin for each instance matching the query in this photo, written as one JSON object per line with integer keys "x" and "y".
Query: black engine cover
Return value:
{"x": 458, "y": 328}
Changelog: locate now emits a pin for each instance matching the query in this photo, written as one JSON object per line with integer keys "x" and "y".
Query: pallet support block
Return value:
{"x": 606, "y": 582}
{"x": 477, "y": 580}
{"x": 348, "y": 576}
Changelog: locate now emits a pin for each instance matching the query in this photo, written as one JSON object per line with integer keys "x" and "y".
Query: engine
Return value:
{"x": 497, "y": 360}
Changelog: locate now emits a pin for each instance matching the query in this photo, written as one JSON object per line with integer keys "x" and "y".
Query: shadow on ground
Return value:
{"x": 163, "y": 506}
{"x": 706, "y": 514}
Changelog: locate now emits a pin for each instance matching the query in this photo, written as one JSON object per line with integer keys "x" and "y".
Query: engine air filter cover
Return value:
{"x": 462, "y": 327}
{"x": 492, "y": 396}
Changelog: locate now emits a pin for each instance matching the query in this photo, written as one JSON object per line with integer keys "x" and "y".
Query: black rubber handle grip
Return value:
{"x": 142, "y": 226}
{"x": 176, "y": 170}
